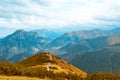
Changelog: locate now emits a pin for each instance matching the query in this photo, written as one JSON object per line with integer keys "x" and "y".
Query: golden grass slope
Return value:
{"x": 18, "y": 78}
{"x": 55, "y": 64}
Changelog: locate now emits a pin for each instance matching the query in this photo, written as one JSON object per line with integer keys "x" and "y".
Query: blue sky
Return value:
{"x": 37, "y": 14}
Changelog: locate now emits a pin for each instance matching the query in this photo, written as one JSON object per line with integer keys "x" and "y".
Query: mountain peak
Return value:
{"x": 23, "y": 33}
{"x": 21, "y": 42}
{"x": 19, "y": 31}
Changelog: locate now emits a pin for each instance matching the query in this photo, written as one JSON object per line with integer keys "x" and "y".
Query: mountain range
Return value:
{"x": 73, "y": 37}
{"x": 77, "y": 47}
{"x": 90, "y": 44}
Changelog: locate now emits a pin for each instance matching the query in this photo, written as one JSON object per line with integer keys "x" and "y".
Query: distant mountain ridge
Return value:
{"x": 90, "y": 44}
{"x": 104, "y": 60}
{"x": 75, "y": 36}
{"x": 48, "y": 34}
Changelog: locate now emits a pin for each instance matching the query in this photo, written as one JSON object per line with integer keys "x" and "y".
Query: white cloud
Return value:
{"x": 60, "y": 13}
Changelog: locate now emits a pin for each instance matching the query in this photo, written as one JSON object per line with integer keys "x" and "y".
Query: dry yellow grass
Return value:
{"x": 69, "y": 67}
{"x": 19, "y": 78}
{"x": 63, "y": 66}
{"x": 57, "y": 70}
{"x": 53, "y": 63}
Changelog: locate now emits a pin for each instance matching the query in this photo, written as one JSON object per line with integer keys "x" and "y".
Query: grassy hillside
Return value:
{"x": 93, "y": 76}
{"x": 18, "y": 78}
{"x": 43, "y": 65}
{"x": 55, "y": 64}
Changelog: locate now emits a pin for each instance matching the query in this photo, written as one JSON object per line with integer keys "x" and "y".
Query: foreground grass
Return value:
{"x": 18, "y": 78}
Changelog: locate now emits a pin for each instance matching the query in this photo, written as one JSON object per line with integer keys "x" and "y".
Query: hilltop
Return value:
{"x": 51, "y": 63}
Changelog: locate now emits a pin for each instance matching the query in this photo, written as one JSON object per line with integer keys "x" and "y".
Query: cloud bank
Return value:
{"x": 36, "y": 14}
